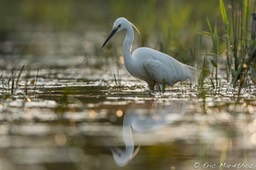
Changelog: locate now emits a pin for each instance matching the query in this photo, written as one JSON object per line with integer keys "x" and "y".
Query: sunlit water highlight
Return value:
{"x": 78, "y": 115}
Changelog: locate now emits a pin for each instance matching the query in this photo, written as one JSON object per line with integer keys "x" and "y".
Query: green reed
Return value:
{"x": 236, "y": 38}
{"x": 231, "y": 39}
{"x": 12, "y": 83}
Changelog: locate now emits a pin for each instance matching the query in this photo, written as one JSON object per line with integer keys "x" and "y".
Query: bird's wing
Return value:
{"x": 168, "y": 71}
{"x": 155, "y": 70}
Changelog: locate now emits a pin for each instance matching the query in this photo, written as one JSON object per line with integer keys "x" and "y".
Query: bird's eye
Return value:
{"x": 119, "y": 26}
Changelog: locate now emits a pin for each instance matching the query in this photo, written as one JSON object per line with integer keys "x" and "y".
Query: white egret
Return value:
{"x": 154, "y": 67}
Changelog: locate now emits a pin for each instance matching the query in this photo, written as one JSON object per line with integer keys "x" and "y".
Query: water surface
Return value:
{"x": 78, "y": 111}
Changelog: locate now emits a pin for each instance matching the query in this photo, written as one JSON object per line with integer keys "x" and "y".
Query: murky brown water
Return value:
{"x": 73, "y": 113}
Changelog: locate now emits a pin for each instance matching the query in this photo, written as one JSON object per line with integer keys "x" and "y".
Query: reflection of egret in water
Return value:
{"x": 136, "y": 120}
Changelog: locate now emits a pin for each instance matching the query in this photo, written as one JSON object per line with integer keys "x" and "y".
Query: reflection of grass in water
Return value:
{"x": 62, "y": 104}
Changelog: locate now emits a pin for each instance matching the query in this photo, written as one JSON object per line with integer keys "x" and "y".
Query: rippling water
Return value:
{"x": 83, "y": 113}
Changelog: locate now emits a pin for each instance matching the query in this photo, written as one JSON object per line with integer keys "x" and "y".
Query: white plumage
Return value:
{"x": 152, "y": 66}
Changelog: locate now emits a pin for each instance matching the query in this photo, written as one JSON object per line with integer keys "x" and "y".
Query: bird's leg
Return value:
{"x": 159, "y": 87}
{"x": 151, "y": 88}
{"x": 163, "y": 86}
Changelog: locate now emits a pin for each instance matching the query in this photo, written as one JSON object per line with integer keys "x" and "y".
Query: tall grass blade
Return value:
{"x": 215, "y": 39}
{"x": 203, "y": 74}
{"x": 37, "y": 72}
{"x": 223, "y": 11}
{"x": 12, "y": 81}
{"x": 246, "y": 16}
{"x": 209, "y": 24}
{"x": 18, "y": 78}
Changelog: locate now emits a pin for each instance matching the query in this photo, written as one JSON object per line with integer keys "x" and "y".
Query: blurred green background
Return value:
{"x": 73, "y": 14}
{"x": 171, "y": 26}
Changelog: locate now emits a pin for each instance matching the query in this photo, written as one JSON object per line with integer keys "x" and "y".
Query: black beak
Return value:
{"x": 109, "y": 37}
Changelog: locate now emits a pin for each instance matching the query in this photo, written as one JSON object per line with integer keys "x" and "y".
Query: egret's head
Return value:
{"x": 119, "y": 24}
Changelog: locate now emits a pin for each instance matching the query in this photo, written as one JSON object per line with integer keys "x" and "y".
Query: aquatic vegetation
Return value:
{"x": 64, "y": 102}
